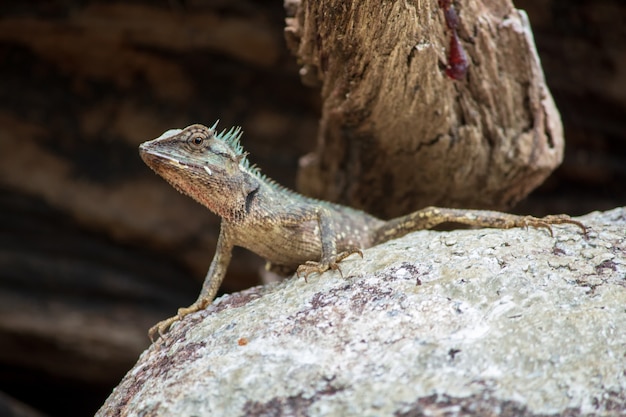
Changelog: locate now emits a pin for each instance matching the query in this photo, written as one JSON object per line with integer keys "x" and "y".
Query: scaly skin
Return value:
{"x": 291, "y": 231}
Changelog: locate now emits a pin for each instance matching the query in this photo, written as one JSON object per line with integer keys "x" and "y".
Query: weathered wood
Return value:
{"x": 396, "y": 133}
{"x": 582, "y": 47}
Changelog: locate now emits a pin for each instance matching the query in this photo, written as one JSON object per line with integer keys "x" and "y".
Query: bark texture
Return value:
{"x": 471, "y": 323}
{"x": 395, "y": 127}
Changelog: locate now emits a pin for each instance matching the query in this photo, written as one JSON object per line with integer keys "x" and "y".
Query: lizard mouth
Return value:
{"x": 152, "y": 158}
{"x": 158, "y": 161}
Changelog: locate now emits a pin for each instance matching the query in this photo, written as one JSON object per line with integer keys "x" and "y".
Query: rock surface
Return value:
{"x": 470, "y": 322}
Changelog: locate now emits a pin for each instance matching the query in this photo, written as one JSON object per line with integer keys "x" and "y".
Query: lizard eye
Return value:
{"x": 196, "y": 140}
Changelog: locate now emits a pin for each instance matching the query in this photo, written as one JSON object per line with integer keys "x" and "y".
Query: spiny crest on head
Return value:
{"x": 232, "y": 138}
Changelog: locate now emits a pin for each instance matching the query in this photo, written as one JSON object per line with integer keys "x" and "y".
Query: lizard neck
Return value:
{"x": 226, "y": 192}
{"x": 229, "y": 197}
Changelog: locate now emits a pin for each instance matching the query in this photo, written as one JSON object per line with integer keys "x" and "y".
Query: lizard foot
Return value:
{"x": 310, "y": 267}
{"x": 162, "y": 327}
{"x": 547, "y": 222}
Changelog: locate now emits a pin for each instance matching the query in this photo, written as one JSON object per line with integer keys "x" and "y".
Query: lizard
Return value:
{"x": 292, "y": 232}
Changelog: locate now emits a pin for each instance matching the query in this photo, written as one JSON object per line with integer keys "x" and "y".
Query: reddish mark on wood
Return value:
{"x": 457, "y": 58}
{"x": 452, "y": 19}
{"x": 242, "y": 341}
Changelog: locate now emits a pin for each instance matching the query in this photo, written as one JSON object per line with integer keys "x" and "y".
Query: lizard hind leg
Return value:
{"x": 547, "y": 222}
{"x": 432, "y": 216}
{"x": 326, "y": 263}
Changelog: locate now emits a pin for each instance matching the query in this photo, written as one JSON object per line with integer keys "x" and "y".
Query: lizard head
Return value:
{"x": 211, "y": 168}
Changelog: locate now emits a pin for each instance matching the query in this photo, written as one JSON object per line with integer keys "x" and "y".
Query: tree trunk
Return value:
{"x": 396, "y": 133}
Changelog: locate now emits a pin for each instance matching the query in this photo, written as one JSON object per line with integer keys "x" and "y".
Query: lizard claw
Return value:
{"x": 547, "y": 222}
{"x": 310, "y": 267}
{"x": 159, "y": 329}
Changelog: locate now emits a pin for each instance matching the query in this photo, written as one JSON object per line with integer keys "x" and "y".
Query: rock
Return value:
{"x": 468, "y": 322}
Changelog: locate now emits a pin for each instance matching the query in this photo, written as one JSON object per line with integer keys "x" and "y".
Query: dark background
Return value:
{"x": 94, "y": 248}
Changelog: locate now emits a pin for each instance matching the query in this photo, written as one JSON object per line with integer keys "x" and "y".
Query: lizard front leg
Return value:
{"x": 212, "y": 282}
{"x": 328, "y": 237}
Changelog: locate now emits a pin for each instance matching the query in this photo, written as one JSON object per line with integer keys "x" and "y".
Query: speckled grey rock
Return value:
{"x": 470, "y": 322}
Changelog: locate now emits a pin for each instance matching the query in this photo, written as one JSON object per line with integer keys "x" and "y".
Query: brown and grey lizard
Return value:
{"x": 291, "y": 231}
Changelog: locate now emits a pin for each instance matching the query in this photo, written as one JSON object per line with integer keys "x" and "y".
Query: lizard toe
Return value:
{"x": 311, "y": 267}
{"x": 331, "y": 262}
{"x": 548, "y": 221}
{"x": 159, "y": 329}
{"x": 162, "y": 327}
